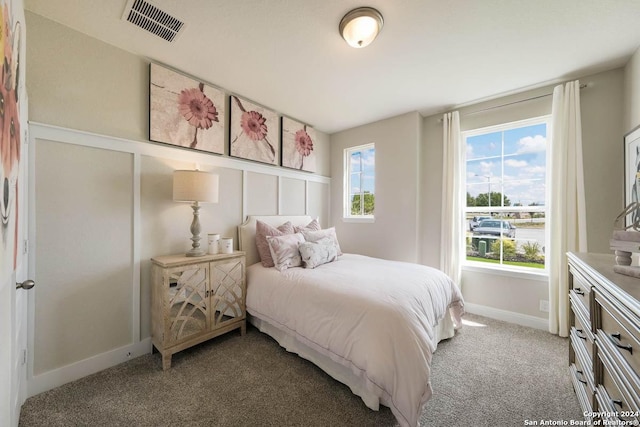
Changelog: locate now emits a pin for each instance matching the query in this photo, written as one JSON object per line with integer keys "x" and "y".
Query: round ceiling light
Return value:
{"x": 361, "y": 26}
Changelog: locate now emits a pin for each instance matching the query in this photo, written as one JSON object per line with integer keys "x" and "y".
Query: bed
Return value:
{"x": 371, "y": 324}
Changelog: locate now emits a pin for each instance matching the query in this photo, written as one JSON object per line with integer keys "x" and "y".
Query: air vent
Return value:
{"x": 150, "y": 18}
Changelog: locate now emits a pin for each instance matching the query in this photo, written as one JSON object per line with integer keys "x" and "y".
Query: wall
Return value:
{"x": 602, "y": 130}
{"x": 632, "y": 93}
{"x": 393, "y": 233}
{"x": 103, "y": 203}
{"x": 409, "y": 193}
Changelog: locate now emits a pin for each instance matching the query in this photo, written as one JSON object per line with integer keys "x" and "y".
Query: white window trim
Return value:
{"x": 502, "y": 269}
{"x": 346, "y": 212}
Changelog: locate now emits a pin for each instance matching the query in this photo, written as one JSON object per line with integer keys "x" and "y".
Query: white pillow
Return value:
{"x": 284, "y": 250}
{"x": 314, "y": 236}
{"x": 317, "y": 253}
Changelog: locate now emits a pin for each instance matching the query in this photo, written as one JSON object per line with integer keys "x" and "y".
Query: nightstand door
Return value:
{"x": 187, "y": 302}
{"x": 227, "y": 291}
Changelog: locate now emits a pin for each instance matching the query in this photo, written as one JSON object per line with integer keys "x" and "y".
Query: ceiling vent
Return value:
{"x": 150, "y": 18}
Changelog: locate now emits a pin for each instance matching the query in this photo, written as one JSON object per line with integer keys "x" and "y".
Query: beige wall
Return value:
{"x": 103, "y": 199}
{"x": 601, "y": 107}
{"x": 632, "y": 93}
{"x": 393, "y": 233}
{"x": 408, "y": 195}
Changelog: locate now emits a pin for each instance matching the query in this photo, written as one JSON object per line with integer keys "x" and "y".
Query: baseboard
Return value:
{"x": 57, "y": 377}
{"x": 507, "y": 316}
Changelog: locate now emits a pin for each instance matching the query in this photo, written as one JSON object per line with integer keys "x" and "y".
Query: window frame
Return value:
{"x": 347, "y": 216}
{"x": 510, "y": 270}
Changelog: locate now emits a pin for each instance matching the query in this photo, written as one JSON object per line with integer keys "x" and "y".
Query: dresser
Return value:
{"x": 604, "y": 351}
{"x": 194, "y": 299}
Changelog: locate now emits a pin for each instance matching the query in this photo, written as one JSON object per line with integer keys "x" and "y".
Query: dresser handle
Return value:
{"x": 616, "y": 402}
{"x": 579, "y": 334}
{"x": 581, "y": 373}
{"x": 615, "y": 339}
{"x": 578, "y": 291}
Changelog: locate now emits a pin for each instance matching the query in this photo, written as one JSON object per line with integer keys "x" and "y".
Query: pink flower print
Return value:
{"x": 197, "y": 108}
{"x": 253, "y": 125}
{"x": 304, "y": 144}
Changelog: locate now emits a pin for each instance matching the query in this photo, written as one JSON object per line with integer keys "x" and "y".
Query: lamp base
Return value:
{"x": 195, "y": 252}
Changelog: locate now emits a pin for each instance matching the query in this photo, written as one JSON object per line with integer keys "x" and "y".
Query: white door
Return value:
{"x": 13, "y": 301}
{"x": 14, "y": 172}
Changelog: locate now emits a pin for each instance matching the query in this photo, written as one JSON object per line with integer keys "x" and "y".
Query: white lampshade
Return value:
{"x": 195, "y": 186}
{"x": 361, "y": 26}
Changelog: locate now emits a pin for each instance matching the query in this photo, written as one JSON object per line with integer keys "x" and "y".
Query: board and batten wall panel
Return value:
{"x": 84, "y": 208}
{"x": 262, "y": 194}
{"x": 292, "y": 196}
{"x": 317, "y": 202}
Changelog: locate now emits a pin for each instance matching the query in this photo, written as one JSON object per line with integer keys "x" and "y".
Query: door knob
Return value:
{"x": 27, "y": 284}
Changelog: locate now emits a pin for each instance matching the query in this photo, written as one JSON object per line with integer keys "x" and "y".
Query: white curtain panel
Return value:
{"x": 567, "y": 214}
{"x": 451, "y": 246}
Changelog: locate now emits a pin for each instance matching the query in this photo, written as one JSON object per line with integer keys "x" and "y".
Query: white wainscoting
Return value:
{"x": 264, "y": 190}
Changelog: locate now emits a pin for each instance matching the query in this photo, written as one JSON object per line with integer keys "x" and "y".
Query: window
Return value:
{"x": 506, "y": 195}
{"x": 359, "y": 180}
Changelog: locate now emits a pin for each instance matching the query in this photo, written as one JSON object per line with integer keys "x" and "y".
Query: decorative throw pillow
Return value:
{"x": 314, "y": 225}
{"x": 314, "y": 236}
{"x": 317, "y": 253}
{"x": 284, "y": 250}
{"x": 262, "y": 231}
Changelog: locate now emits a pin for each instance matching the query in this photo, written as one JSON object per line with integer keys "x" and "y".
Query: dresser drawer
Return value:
{"x": 613, "y": 396}
{"x": 582, "y": 389}
{"x": 581, "y": 291}
{"x": 620, "y": 332}
{"x": 582, "y": 328}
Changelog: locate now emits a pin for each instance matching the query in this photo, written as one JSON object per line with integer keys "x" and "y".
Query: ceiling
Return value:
{"x": 430, "y": 56}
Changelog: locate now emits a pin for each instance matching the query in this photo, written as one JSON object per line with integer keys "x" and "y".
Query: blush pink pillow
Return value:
{"x": 314, "y": 225}
{"x": 262, "y": 231}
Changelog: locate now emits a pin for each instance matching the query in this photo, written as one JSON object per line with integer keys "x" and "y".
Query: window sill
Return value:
{"x": 368, "y": 219}
{"x": 541, "y": 276}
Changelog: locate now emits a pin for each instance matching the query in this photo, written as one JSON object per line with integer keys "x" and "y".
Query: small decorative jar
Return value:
{"x": 213, "y": 239}
{"x": 226, "y": 245}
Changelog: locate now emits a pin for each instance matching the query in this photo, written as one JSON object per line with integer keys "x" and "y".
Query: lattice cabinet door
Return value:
{"x": 227, "y": 291}
{"x": 187, "y": 302}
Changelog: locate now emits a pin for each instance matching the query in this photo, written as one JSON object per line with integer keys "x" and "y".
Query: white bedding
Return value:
{"x": 375, "y": 317}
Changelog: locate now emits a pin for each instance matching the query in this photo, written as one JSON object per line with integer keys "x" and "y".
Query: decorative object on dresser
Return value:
{"x": 185, "y": 112}
{"x": 197, "y": 187}
{"x": 626, "y": 240}
{"x": 195, "y": 299}
{"x": 604, "y": 350}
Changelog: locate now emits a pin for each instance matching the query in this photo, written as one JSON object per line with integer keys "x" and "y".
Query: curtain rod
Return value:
{"x": 582, "y": 86}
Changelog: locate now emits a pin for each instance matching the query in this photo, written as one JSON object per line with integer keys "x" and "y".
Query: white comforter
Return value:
{"x": 374, "y": 316}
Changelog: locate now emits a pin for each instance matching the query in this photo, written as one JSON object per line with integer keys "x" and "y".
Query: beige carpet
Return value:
{"x": 490, "y": 374}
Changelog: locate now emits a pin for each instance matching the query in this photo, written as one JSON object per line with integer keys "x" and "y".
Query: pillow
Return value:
{"x": 262, "y": 231}
{"x": 314, "y": 236}
{"x": 284, "y": 250}
{"x": 317, "y": 253}
{"x": 312, "y": 226}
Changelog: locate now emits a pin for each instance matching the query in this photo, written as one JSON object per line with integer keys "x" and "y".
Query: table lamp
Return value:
{"x": 197, "y": 187}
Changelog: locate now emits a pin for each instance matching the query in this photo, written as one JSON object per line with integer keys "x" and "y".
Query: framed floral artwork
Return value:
{"x": 185, "y": 112}
{"x": 632, "y": 176}
{"x": 297, "y": 145}
{"x": 254, "y": 132}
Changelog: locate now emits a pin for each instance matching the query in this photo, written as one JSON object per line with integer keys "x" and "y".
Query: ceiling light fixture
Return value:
{"x": 361, "y": 26}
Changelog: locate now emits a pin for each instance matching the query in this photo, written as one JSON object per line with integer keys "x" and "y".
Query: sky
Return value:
{"x": 365, "y": 164}
{"x": 521, "y": 175}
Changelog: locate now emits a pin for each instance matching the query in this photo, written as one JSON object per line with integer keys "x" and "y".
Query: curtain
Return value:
{"x": 567, "y": 213}
{"x": 451, "y": 244}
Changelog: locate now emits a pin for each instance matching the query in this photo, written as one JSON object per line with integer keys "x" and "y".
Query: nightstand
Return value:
{"x": 194, "y": 299}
